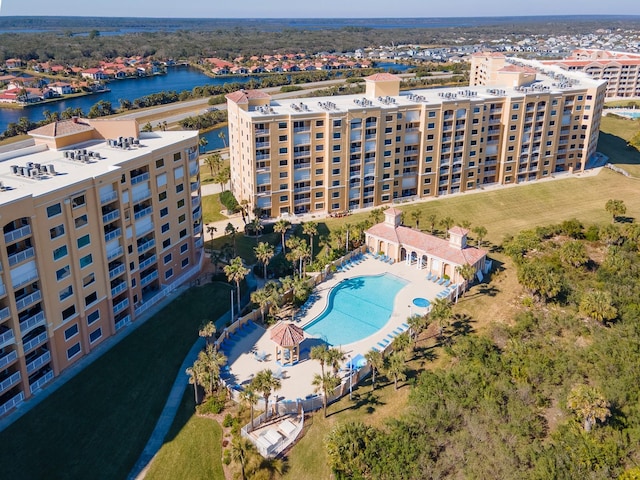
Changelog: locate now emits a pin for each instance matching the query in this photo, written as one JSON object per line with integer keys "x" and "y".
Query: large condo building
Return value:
{"x": 100, "y": 221}
{"x": 518, "y": 121}
{"x": 621, "y": 70}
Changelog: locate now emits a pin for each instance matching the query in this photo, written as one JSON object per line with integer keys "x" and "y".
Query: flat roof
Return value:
{"x": 68, "y": 171}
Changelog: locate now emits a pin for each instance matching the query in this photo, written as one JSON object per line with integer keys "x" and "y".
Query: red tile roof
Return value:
{"x": 383, "y": 77}
{"x": 62, "y": 127}
{"x": 243, "y": 96}
{"x": 287, "y": 334}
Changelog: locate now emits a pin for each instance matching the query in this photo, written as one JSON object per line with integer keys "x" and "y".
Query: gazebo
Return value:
{"x": 287, "y": 338}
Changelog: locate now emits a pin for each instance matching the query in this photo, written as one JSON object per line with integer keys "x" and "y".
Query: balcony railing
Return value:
{"x": 41, "y": 382}
{"x": 149, "y": 278}
{"x": 11, "y": 403}
{"x": 7, "y": 383}
{"x": 112, "y": 234}
{"x": 7, "y": 359}
{"x": 32, "y": 322}
{"x": 123, "y": 322}
{"x": 27, "y": 300}
{"x": 108, "y": 197}
{"x": 195, "y": 201}
{"x": 38, "y": 362}
{"x": 197, "y": 214}
{"x": 4, "y": 313}
{"x": 115, "y": 253}
{"x": 121, "y": 287}
{"x": 302, "y": 201}
{"x": 21, "y": 256}
{"x": 118, "y": 307}
{"x": 262, "y": 131}
{"x": 140, "y": 178}
{"x": 301, "y": 129}
{"x": 263, "y": 144}
{"x": 34, "y": 342}
{"x": 193, "y": 169}
{"x": 145, "y": 263}
{"x": 7, "y": 338}
{"x": 140, "y": 196}
{"x": 111, "y": 216}
{"x": 197, "y": 229}
{"x": 199, "y": 242}
{"x": 195, "y": 186}
{"x": 142, "y": 213}
{"x": 118, "y": 270}
{"x": 17, "y": 234}
{"x": 146, "y": 246}
{"x": 263, "y": 156}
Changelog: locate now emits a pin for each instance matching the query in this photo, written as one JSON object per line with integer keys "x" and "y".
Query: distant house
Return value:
{"x": 14, "y": 63}
{"x": 61, "y": 88}
{"x": 93, "y": 74}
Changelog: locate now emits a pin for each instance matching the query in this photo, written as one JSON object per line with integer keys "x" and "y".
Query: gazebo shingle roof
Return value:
{"x": 287, "y": 334}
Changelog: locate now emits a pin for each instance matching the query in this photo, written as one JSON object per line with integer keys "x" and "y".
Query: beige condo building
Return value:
{"x": 518, "y": 121}
{"x": 99, "y": 223}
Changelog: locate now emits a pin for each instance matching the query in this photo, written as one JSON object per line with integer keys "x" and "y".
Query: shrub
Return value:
{"x": 229, "y": 201}
{"x": 226, "y": 457}
{"x": 228, "y": 420}
{"x": 214, "y": 404}
{"x": 290, "y": 88}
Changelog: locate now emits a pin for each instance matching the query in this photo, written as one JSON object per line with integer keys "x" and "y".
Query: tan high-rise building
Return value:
{"x": 100, "y": 222}
{"x": 521, "y": 122}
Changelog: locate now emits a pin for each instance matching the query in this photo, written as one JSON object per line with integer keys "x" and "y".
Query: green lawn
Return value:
{"x": 211, "y": 208}
{"x": 97, "y": 424}
{"x": 192, "y": 449}
{"x": 615, "y": 132}
{"x": 245, "y": 245}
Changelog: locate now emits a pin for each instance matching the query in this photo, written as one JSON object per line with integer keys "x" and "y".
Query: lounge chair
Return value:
{"x": 429, "y": 276}
{"x": 405, "y": 326}
{"x": 447, "y": 283}
{"x": 441, "y": 281}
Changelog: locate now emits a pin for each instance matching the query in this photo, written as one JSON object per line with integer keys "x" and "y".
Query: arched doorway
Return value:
{"x": 403, "y": 254}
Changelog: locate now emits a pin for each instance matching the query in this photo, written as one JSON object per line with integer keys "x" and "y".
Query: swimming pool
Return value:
{"x": 629, "y": 114}
{"x": 356, "y": 308}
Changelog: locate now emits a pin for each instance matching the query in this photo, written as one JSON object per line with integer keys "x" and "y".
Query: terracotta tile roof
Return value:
{"x": 437, "y": 247}
{"x": 243, "y": 96}
{"x": 383, "y": 77}
{"x": 62, "y": 127}
{"x": 287, "y": 334}
{"x": 458, "y": 230}
{"x": 517, "y": 68}
{"x": 392, "y": 211}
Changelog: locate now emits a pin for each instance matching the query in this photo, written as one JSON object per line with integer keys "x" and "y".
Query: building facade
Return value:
{"x": 621, "y": 70}
{"x": 99, "y": 222}
{"x": 339, "y": 153}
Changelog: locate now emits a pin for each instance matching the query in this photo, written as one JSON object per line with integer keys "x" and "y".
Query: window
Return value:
{"x": 167, "y": 258}
{"x": 81, "y": 221}
{"x": 283, "y": 163}
{"x": 282, "y": 138}
{"x": 335, "y": 206}
{"x": 432, "y": 114}
{"x": 282, "y": 125}
{"x": 179, "y": 188}
{"x": 66, "y": 293}
{"x": 95, "y": 335}
{"x": 78, "y": 201}
{"x": 514, "y": 117}
{"x": 319, "y": 194}
{"x": 431, "y": 125}
{"x": 180, "y": 203}
{"x": 337, "y": 123}
{"x": 93, "y": 317}
{"x": 160, "y": 163}
{"x": 177, "y": 156}
{"x": 55, "y": 232}
{"x": 54, "y": 210}
{"x": 64, "y": 272}
{"x": 184, "y": 248}
{"x": 89, "y": 299}
{"x": 166, "y": 243}
{"x": 319, "y": 135}
{"x": 516, "y": 106}
{"x": 182, "y": 218}
{"x": 60, "y": 252}
{"x": 183, "y": 233}
{"x": 319, "y": 123}
{"x": 73, "y": 351}
{"x": 164, "y": 212}
{"x": 86, "y": 261}
{"x": 335, "y": 171}
{"x": 84, "y": 241}
{"x": 161, "y": 180}
{"x": 336, "y": 160}
{"x": 178, "y": 173}
{"x": 284, "y": 174}
{"x": 284, "y": 198}
{"x": 335, "y": 194}
{"x": 165, "y": 228}
{"x": 336, "y": 135}
{"x": 168, "y": 273}
{"x": 71, "y": 332}
{"x": 88, "y": 280}
{"x": 162, "y": 196}
{"x": 185, "y": 262}
{"x": 335, "y": 183}
{"x": 68, "y": 313}
{"x": 282, "y": 150}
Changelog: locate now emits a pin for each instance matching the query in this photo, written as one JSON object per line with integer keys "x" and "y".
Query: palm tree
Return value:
{"x": 261, "y": 297}
{"x": 589, "y": 404}
{"x": 319, "y": 352}
{"x": 325, "y": 383}
{"x": 376, "y": 361}
{"x": 223, "y": 137}
{"x": 415, "y": 215}
{"x": 347, "y": 231}
{"x": 417, "y": 324}
{"x": 311, "y": 229}
{"x": 211, "y": 360}
{"x": 615, "y": 208}
{"x": 396, "y": 367}
{"x": 236, "y": 271}
{"x": 196, "y": 377}
{"x": 250, "y": 396}
{"x": 231, "y": 230}
{"x": 202, "y": 143}
{"x": 264, "y": 382}
{"x": 335, "y": 357}
{"x": 598, "y": 305}
{"x": 467, "y": 272}
{"x": 480, "y": 233}
{"x": 573, "y": 253}
{"x": 241, "y": 450}
{"x": 401, "y": 343}
{"x": 441, "y": 313}
{"x": 207, "y": 330}
{"x": 209, "y": 162}
{"x": 211, "y": 230}
{"x": 376, "y": 215}
{"x": 264, "y": 253}
{"x": 281, "y": 227}
{"x": 447, "y": 223}
{"x": 432, "y": 219}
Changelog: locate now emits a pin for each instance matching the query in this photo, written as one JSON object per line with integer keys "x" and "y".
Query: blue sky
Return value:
{"x": 311, "y": 9}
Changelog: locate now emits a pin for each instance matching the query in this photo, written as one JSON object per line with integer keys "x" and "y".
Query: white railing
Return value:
{"x": 145, "y": 263}
{"x": 28, "y": 300}
{"x": 150, "y": 302}
{"x": 121, "y": 287}
{"x": 32, "y": 322}
{"x": 112, "y": 235}
{"x": 141, "y": 196}
{"x": 123, "y": 322}
{"x": 38, "y": 384}
{"x": 140, "y": 178}
{"x": 108, "y": 197}
{"x": 4, "y": 313}
{"x": 111, "y": 216}
{"x": 199, "y": 242}
{"x": 118, "y": 307}
{"x": 17, "y": 234}
{"x": 146, "y": 245}
{"x": 34, "y": 342}
{"x": 38, "y": 362}
{"x": 149, "y": 278}
{"x": 142, "y": 213}
{"x": 21, "y": 256}
{"x": 114, "y": 272}
{"x": 9, "y": 382}
{"x": 116, "y": 252}
{"x": 11, "y": 403}
{"x": 8, "y": 358}
{"x": 7, "y": 338}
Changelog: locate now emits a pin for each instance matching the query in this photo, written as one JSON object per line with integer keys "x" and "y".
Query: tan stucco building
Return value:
{"x": 99, "y": 222}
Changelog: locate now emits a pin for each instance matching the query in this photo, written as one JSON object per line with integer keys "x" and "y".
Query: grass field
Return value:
{"x": 192, "y": 449}
{"x": 615, "y": 132}
{"x": 97, "y": 424}
{"x": 211, "y": 208}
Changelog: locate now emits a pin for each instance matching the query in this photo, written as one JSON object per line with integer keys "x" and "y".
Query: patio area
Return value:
{"x": 252, "y": 350}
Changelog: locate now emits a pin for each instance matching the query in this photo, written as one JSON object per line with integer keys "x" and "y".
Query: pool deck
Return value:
{"x": 296, "y": 379}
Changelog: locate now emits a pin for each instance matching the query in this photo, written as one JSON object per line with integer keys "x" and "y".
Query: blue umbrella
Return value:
{"x": 356, "y": 362}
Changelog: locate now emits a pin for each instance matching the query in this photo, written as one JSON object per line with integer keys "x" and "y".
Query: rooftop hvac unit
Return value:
{"x": 34, "y": 173}
{"x": 51, "y": 169}
{"x": 14, "y": 169}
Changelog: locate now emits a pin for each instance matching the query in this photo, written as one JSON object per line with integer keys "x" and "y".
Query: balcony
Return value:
{"x": 193, "y": 169}
{"x": 200, "y": 242}
{"x": 108, "y": 197}
{"x": 302, "y": 129}
{"x": 32, "y": 322}
{"x": 197, "y": 229}
{"x": 21, "y": 256}
{"x": 118, "y": 307}
{"x": 148, "y": 278}
{"x": 112, "y": 235}
{"x": 197, "y": 214}
{"x": 27, "y": 300}
{"x": 301, "y": 189}
{"x": 302, "y": 201}
{"x": 7, "y": 383}
{"x": 145, "y": 263}
{"x": 8, "y": 359}
{"x": 34, "y": 342}
{"x": 263, "y": 156}
{"x": 195, "y": 201}
{"x": 17, "y": 234}
{"x": 38, "y": 362}
{"x": 195, "y": 186}
{"x": 262, "y": 131}
{"x": 146, "y": 246}
{"x": 192, "y": 154}
{"x": 126, "y": 320}
{"x": 7, "y": 338}
{"x": 298, "y": 166}
{"x": 115, "y": 253}
{"x": 370, "y": 136}
{"x": 119, "y": 288}
{"x": 111, "y": 216}
{"x": 11, "y": 403}
{"x": 4, "y": 313}
{"x": 140, "y": 196}
{"x": 41, "y": 382}
{"x": 263, "y": 144}
{"x": 115, "y": 271}
{"x": 140, "y": 178}
{"x": 142, "y": 213}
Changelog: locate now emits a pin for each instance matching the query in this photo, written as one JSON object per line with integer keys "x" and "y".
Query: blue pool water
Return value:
{"x": 356, "y": 308}
{"x": 631, "y": 114}
{"x": 421, "y": 302}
